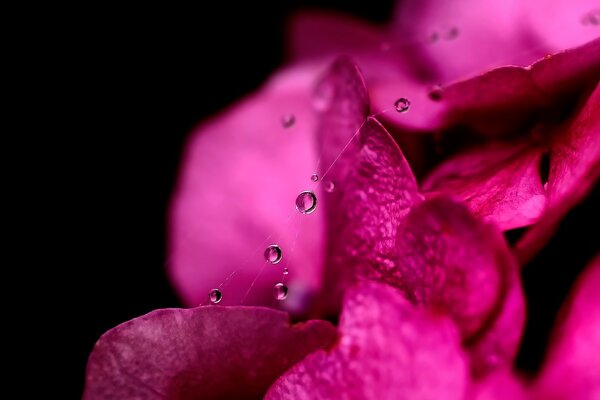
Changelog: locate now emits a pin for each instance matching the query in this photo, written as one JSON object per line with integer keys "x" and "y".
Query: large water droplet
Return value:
{"x": 280, "y": 291}
{"x": 215, "y": 296}
{"x": 314, "y": 177}
{"x": 288, "y": 120}
{"x": 306, "y": 202}
{"x": 402, "y": 105}
{"x": 329, "y": 186}
{"x": 273, "y": 254}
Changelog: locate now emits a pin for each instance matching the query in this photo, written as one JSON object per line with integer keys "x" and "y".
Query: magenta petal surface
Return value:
{"x": 572, "y": 370}
{"x": 239, "y": 180}
{"x": 207, "y": 352}
{"x": 374, "y": 186}
{"x": 500, "y": 183}
{"x": 388, "y": 349}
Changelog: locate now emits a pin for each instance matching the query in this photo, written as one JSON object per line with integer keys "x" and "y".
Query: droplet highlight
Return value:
{"x": 273, "y": 254}
{"x": 402, "y": 105}
{"x": 306, "y": 202}
{"x": 280, "y": 291}
{"x": 329, "y": 186}
{"x": 314, "y": 177}
{"x": 286, "y": 271}
{"x": 215, "y": 296}
{"x": 288, "y": 120}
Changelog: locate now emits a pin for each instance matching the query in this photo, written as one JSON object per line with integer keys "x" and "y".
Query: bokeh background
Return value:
{"x": 148, "y": 76}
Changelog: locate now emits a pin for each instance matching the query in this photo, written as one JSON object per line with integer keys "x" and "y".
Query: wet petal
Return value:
{"x": 235, "y": 195}
{"x": 499, "y": 182}
{"x": 374, "y": 186}
{"x": 388, "y": 350}
{"x": 571, "y": 369}
{"x": 207, "y": 352}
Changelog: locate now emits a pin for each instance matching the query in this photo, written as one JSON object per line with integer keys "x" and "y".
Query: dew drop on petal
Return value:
{"x": 286, "y": 271}
{"x": 280, "y": 291}
{"x": 314, "y": 177}
{"x": 215, "y": 296}
{"x": 402, "y": 105}
{"x": 329, "y": 186}
{"x": 273, "y": 254}
{"x": 306, "y": 202}
{"x": 288, "y": 120}
{"x": 435, "y": 93}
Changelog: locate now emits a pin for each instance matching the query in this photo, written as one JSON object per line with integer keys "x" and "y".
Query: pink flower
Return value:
{"x": 427, "y": 290}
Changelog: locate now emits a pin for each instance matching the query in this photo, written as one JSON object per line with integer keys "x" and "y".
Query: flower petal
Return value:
{"x": 571, "y": 370}
{"x": 574, "y": 170}
{"x": 240, "y": 177}
{"x": 388, "y": 350}
{"x": 448, "y": 260}
{"x": 374, "y": 186}
{"x": 207, "y": 352}
{"x": 499, "y": 182}
{"x": 502, "y": 101}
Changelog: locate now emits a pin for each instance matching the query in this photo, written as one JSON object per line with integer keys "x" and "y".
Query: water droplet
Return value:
{"x": 402, "y": 105}
{"x": 286, "y": 271}
{"x": 280, "y": 291}
{"x": 451, "y": 33}
{"x": 273, "y": 254}
{"x": 435, "y": 93}
{"x": 592, "y": 18}
{"x": 215, "y": 296}
{"x": 306, "y": 202}
{"x": 433, "y": 37}
{"x": 329, "y": 186}
{"x": 314, "y": 177}
{"x": 288, "y": 120}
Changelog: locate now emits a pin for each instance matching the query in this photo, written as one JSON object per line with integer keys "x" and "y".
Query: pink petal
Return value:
{"x": 499, "y": 182}
{"x": 374, "y": 186}
{"x": 501, "y": 385}
{"x": 572, "y": 370}
{"x": 502, "y": 101}
{"x": 574, "y": 170}
{"x": 240, "y": 177}
{"x": 206, "y": 352}
{"x": 388, "y": 350}
{"x": 452, "y": 262}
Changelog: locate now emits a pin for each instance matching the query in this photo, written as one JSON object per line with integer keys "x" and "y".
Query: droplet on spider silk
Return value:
{"x": 286, "y": 271}
{"x": 215, "y": 296}
{"x": 435, "y": 93}
{"x": 280, "y": 291}
{"x": 273, "y": 254}
{"x": 288, "y": 120}
{"x": 306, "y": 202}
{"x": 592, "y": 18}
{"x": 402, "y": 105}
{"x": 314, "y": 177}
{"x": 451, "y": 33}
{"x": 329, "y": 186}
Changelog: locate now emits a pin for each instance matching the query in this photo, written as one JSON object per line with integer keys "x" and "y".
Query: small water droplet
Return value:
{"x": 215, "y": 296}
{"x": 314, "y": 177}
{"x": 280, "y": 291}
{"x": 306, "y": 202}
{"x": 288, "y": 120}
{"x": 329, "y": 186}
{"x": 546, "y": 186}
{"x": 435, "y": 93}
{"x": 592, "y": 18}
{"x": 451, "y": 33}
{"x": 402, "y": 105}
{"x": 273, "y": 254}
{"x": 286, "y": 271}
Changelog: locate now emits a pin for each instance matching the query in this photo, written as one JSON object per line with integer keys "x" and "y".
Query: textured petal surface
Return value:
{"x": 500, "y": 183}
{"x": 572, "y": 370}
{"x": 203, "y": 353}
{"x": 240, "y": 177}
{"x": 388, "y": 350}
{"x": 374, "y": 186}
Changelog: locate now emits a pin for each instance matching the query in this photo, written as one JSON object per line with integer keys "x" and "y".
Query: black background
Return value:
{"x": 139, "y": 80}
